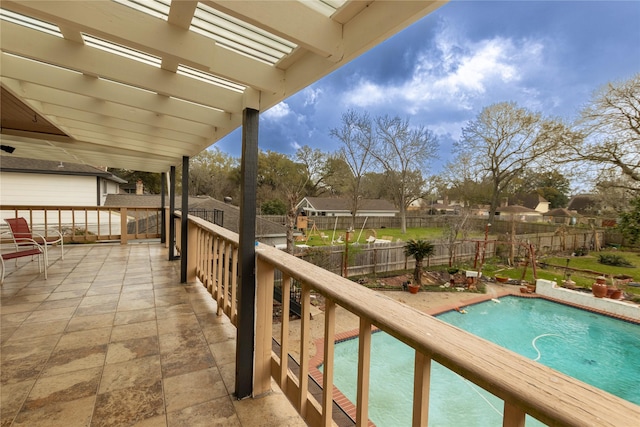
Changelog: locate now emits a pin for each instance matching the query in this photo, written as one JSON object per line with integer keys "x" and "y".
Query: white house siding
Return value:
{"x": 47, "y": 190}
{"x": 107, "y": 187}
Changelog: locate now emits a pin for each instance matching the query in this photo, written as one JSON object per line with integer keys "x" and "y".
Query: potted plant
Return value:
{"x": 599, "y": 288}
{"x": 419, "y": 249}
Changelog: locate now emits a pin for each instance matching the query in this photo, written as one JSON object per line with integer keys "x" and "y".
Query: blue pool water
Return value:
{"x": 596, "y": 349}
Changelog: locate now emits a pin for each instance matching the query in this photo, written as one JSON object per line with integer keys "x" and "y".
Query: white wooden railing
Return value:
{"x": 526, "y": 387}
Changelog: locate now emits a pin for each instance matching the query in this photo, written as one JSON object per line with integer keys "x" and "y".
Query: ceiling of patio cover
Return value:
{"x": 138, "y": 84}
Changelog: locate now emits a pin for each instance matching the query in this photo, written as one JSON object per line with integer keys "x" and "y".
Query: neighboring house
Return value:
{"x": 439, "y": 206}
{"x": 133, "y": 187}
{"x": 562, "y": 216}
{"x": 519, "y": 213}
{"x": 325, "y": 206}
{"x": 532, "y": 201}
{"x": 224, "y": 214}
{"x": 585, "y": 204}
{"x": 44, "y": 182}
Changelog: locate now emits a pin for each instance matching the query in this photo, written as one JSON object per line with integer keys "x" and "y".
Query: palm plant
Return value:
{"x": 419, "y": 249}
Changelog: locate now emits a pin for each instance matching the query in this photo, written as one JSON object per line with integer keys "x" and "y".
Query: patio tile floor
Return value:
{"x": 112, "y": 339}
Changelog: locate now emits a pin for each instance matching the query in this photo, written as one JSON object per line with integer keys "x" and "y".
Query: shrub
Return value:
{"x": 613, "y": 259}
{"x": 582, "y": 251}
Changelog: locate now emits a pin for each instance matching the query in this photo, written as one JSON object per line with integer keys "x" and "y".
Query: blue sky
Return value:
{"x": 548, "y": 56}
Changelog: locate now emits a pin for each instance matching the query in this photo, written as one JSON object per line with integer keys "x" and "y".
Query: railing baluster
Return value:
{"x": 213, "y": 287}
{"x": 364, "y": 364}
{"x": 227, "y": 279}
{"x": 98, "y": 220}
{"x": 219, "y": 276}
{"x": 73, "y": 225}
{"x": 208, "y": 246}
{"x": 305, "y": 302}
{"x": 233, "y": 315}
{"x": 199, "y": 251}
{"x": 513, "y": 416}
{"x": 264, "y": 318}
{"x": 327, "y": 376}
{"x": 284, "y": 332}
{"x": 421, "y": 385}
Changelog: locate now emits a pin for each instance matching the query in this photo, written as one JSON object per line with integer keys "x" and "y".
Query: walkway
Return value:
{"x": 113, "y": 339}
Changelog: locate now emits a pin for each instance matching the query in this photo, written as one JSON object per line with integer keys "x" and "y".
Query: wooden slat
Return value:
{"x": 264, "y": 317}
{"x": 327, "y": 375}
{"x": 284, "y": 333}
{"x": 513, "y": 416}
{"x": 233, "y": 313}
{"x": 364, "y": 364}
{"x": 305, "y": 302}
{"x": 421, "y": 386}
{"x": 214, "y": 267}
{"x": 227, "y": 278}
{"x": 219, "y": 275}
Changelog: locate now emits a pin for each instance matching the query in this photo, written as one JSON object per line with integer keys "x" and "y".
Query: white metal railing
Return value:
{"x": 526, "y": 387}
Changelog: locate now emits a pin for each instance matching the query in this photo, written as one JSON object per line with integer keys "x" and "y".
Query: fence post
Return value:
{"x": 123, "y": 226}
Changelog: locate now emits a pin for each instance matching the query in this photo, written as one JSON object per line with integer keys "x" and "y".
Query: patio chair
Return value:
{"x": 34, "y": 250}
{"x": 23, "y": 236}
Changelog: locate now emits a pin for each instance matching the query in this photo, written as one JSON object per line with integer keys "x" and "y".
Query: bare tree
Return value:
{"x": 404, "y": 152}
{"x": 283, "y": 179}
{"x": 356, "y": 135}
{"x": 611, "y": 127}
{"x": 455, "y": 227}
{"x": 319, "y": 169}
{"x": 504, "y": 140}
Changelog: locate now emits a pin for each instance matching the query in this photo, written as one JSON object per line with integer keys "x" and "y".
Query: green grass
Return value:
{"x": 430, "y": 234}
{"x": 582, "y": 279}
{"x": 590, "y": 262}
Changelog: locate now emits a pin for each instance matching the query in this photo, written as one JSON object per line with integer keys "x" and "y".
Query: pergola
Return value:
{"x": 146, "y": 84}
{"x": 139, "y": 84}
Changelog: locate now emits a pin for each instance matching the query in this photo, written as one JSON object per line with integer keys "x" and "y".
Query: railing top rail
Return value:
{"x": 548, "y": 395}
{"x": 67, "y": 208}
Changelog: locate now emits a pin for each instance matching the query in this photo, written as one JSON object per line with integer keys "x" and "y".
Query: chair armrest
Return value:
{"x": 31, "y": 242}
{"x": 50, "y": 232}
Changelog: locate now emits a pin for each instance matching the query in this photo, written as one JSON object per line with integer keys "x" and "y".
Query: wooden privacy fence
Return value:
{"x": 386, "y": 257}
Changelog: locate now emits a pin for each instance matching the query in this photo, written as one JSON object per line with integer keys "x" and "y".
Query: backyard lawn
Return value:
{"x": 430, "y": 234}
{"x": 583, "y": 269}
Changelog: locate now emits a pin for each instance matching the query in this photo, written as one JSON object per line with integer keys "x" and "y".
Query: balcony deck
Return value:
{"x": 113, "y": 338}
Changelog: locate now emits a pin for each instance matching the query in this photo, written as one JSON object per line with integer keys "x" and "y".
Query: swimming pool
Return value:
{"x": 596, "y": 349}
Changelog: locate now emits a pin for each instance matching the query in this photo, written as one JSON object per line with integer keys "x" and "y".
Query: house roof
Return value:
{"x": 331, "y": 204}
{"x": 582, "y": 203}
{"x": 139, "y": 85}
{"x": 562, "y": 212}
{"x": 49, "y": 167}
{"x": 231, "y": 213}
{"x": 530, "y": 200}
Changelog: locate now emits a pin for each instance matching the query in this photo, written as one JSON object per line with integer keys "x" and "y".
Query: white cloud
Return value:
{"x": 295, "y": 145}
{"x": 457, "y": 75}
{"x": 311, "y": 96}
{"x": 277, "y": 112}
